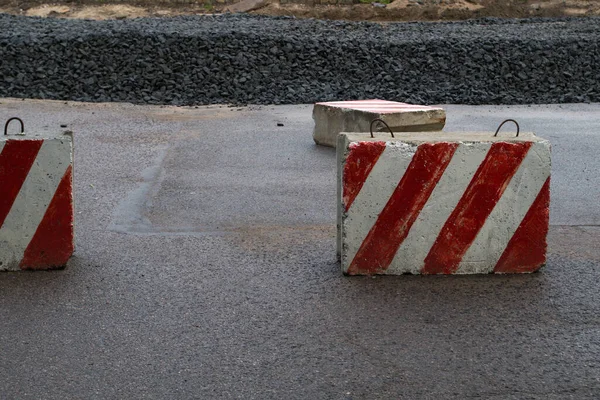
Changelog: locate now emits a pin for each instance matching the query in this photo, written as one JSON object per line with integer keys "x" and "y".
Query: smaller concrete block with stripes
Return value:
{"x": 36, "y": 205}
{"x": 451, "y": 203}
{"x": 334, "y": 117}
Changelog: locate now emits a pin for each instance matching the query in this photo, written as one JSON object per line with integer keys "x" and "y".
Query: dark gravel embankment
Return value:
{"x": 260, "y": 60}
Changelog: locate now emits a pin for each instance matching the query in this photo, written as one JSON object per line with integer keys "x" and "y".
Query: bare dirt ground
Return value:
{"x": 436, "y": 10}
{"x": 397, "y": 10}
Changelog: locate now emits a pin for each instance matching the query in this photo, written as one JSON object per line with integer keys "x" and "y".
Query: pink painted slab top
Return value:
{"x": 377, "y": 106}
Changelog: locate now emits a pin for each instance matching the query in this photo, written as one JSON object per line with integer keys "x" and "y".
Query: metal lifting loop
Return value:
{"x": 384, "y": 123}
{"x": 505, "y": 121}
{"x": 8, "y": 122}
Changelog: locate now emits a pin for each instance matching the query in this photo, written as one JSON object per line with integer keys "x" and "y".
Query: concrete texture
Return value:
{"x": 207, "y": 270}
{"x": 332, "y": 118}
{"x": 36, "y": 205}
{"x": 442, "y": 203}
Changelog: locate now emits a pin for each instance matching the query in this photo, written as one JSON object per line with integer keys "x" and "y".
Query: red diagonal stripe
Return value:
{"x": 360, "y": 161}
{"x": 393, "y": 224}
{"x": 52, "y": 244}
{"x": 16, "y": 160}
{"x": 485, "y": 189}
{"x": 526, "y": 251}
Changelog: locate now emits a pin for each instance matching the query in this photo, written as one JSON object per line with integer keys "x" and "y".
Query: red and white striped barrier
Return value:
{"x": 442, "y": 204}
{"x": 36, "y": 202}
{"x": 332, "y": 118}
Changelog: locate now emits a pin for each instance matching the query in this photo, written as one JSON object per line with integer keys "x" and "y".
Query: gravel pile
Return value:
{"x": 262, "y": 60}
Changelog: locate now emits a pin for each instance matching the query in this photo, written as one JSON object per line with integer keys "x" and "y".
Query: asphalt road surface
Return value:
{"x": 205, "y": 268}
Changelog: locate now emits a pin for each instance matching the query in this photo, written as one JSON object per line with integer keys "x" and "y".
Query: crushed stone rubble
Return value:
{"x": 245, "y": 59}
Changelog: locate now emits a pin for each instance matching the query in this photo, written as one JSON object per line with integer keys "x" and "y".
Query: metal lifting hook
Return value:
{"x": 505, "y": 121}
{"x": 384, "y": 123}
{"x": 9, "y": 121}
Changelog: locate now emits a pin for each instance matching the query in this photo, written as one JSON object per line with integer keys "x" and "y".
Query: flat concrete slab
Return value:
{"x": 205, "y": 268}
{"x": 332, "y": 118}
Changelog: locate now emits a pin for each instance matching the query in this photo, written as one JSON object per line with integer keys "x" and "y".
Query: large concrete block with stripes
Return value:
{"x": 425, "y": 203}
{"x": 334, "y": 117}
{"x": 36, "y": 202}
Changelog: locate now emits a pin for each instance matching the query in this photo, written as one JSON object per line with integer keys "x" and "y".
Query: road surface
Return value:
{"x": 205, "y": 268}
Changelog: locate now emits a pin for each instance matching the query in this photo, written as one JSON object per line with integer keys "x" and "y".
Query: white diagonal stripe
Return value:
{"x": 32, "y": 201}
{"x": 505, "y": 218}
{"x": 374, "y": 195}
{"x": 443, "y": 200}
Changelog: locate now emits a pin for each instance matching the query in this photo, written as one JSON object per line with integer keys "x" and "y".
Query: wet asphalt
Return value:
{"x": 205, "y": 268}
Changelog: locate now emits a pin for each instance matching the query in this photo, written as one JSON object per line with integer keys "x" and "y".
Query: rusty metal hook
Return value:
{"x": 505, "y": 121}
{"x": 384, "y": 123}
{"x": 8, "y": 122}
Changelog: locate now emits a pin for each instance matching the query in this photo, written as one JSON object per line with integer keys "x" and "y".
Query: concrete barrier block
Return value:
{"x": 36, "y": 202}
{"x": 335, "y": 117}
{"x": 442, "y": 203}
